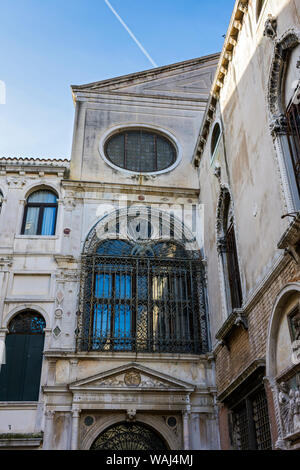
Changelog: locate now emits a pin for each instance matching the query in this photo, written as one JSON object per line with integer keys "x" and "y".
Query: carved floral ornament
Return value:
{"x": 282, "y": 48}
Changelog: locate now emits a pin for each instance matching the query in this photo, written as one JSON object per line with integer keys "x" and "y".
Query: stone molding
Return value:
{"x": 249, "y": 370}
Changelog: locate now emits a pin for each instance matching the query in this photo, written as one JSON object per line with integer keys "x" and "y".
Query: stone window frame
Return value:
{"x": 277, "y": 115}
{"x": 33, "y": 190}
{"x": 223, "y": 276}
{"x": 130, "y": 126}
{"x": 213, "y": 153}
{"x": 294, "y": 312}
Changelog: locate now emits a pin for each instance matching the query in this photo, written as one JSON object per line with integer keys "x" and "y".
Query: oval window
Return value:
{"x": 140, "y": 151}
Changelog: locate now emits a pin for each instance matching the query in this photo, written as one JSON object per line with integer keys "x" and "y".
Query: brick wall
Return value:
{"x": 247, "y": 346}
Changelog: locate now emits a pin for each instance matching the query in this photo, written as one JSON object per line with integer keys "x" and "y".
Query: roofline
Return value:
{"x": 32, "y": 161}
{"x": 153, "y": 71}
{"x": 236, "y": 23}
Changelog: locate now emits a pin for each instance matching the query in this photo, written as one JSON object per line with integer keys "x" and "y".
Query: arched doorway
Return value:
{"x": 129, "y": 436}
{"x": 20, "y": 375}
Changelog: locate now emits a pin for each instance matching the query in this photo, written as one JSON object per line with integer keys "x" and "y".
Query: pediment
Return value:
{"x": 131, "y": 377}
{"x": 187, "y": 80}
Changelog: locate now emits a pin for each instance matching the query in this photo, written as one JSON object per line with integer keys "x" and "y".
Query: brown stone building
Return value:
{"x": 248, "y": 161}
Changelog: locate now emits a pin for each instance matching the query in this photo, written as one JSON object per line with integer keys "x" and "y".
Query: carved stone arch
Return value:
{"x": 41, "y": 187}
{"x": 105, "y": 228}
{"x": 280, "y": 408}
{"x": 278, "y": 120}
{"x": 283, "y": 47}
{"x": 221, "y": 208}
{"x": 153, "y": 422}
{"x": 28, "y": 306}
{"x": 277, "y": 312}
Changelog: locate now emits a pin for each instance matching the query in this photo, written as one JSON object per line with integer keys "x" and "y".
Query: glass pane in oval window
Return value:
{"x": 115, "y": 150}
{"x": 140, "y": 151}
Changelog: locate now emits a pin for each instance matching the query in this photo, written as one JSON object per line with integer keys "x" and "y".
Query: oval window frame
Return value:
{"x": 157, "y": 130}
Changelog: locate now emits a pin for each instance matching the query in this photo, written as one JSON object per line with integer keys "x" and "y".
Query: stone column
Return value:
{"x": 48, "y": 429}
{"x": 186, "y": 430}
{"x": 75, "y": 429}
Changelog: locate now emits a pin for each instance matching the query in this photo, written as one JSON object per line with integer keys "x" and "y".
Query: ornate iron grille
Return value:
{"x": 251, "y": 428}
{"x": 27, "y": 322}
{"x": 261, "y": 420}
{"x": 241, "y": 429}
{"x": 142, "y": 303}
{"x": 293, "y": 121}
{"x": 129, "y": 436}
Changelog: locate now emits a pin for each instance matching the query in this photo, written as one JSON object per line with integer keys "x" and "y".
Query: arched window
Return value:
{"x": 141, "y": 297}
{"x": 215, "y": 138}
{"x": 20, "y": 375}
{"x": 40, "y": 213}
{"x": 284, "y": 99}
{"x": 140, "y": 150}
{"x": 228, "y": 252}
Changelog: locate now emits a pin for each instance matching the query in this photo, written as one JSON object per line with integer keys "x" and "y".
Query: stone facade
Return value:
{"x": 235, "y": 176}
{"x": 44, "y": 273}
{"x": 256, "y": 80}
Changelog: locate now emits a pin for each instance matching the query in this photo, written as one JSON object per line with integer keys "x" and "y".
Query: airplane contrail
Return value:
{"x": 131, "y": 34}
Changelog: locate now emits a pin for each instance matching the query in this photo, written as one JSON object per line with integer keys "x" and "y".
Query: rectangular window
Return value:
{"x": 250, "y": 429}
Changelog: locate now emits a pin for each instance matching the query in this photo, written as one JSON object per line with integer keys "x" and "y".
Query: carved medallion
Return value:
{"x": 132, "y": 378}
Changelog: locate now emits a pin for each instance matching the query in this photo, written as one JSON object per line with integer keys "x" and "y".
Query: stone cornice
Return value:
{"x": 138, "y": 77}
{"x": 235, "y": 26}
{"x": 236, "y": 319}
{"x": 292, "y": 234}
{"x": 83, "y": 186}
{"x": 34, "y": 165}
{"x": 123, "y": 356}
{"x": 249, "y": 370}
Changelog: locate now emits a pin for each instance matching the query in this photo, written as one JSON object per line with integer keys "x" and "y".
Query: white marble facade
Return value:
{"x": 42, "y": 273}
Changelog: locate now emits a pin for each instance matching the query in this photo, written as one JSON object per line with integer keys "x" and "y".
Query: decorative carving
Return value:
{"x": 222, "y": 245}
{"x": 289, "y": 402}
{"x": 57, "y": 331}
{"x": 270, "y": 27}
{"x": 131, "y": 415}
{"x": 149, "y": 383}
{"x": 278, "y": 125}
{"x": 285, "y": 44}
{"x": 58, "y": 313}
{"x": 16, "y": 182}
{"x": 217, "y": 171}
{"x": 132, "y": 378}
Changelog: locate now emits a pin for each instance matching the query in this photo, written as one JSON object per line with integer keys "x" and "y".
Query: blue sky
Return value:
{"x": 48, "y": 45}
